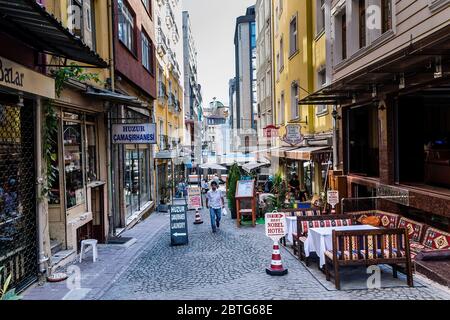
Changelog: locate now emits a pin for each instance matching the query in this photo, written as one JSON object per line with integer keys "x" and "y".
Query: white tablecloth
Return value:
{"x": 291, "y": 227}
{"x": 319, "y": 240}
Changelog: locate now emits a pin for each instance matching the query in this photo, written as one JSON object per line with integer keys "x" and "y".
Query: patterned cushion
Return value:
{"x": 436, "y": 239}
{"x": 354, "y": 253}
{"x": 416, "y": 247}
{"x": 386, "y": 254}
{"x": 413, "y": 228}
{"x": 305, "y": 225}
{"x": 388, "y": 220}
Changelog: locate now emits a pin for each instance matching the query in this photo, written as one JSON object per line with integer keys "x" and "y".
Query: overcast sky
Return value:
{"x": 213, "y": 24}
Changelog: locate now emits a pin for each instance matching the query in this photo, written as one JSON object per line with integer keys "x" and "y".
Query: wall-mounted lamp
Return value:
{"x": 374, "y": 90}
{"x": 20, "y": 103}
{"x": 438, "y": 67}
{"x": 402, "y": 83}
{"x": 336, "y": 115}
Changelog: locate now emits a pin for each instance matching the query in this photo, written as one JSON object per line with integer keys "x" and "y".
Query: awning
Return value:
{"x": 166, "y": 155}
{"x": 29, "y": 22}
{"x": 115, "y": 97}
{"x": 212, "y": 166}
{"x": 415, "y": 64}
{"x": 248, "y": 167}
{"x": 304, "y": 154}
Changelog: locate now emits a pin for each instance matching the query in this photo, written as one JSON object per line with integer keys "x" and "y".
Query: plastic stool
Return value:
{"x": 87, "y": 243}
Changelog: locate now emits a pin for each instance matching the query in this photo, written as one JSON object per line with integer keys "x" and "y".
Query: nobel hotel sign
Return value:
{"x": 134, "y": 133}
{"x": 20, "y": 78}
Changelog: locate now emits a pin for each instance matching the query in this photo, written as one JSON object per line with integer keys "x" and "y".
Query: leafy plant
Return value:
{"x": 233, "y": 177}
{"x": 279, "y": 191}
{"x": 6, "y": 294}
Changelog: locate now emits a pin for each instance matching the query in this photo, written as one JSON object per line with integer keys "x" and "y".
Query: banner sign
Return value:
{"x": 195, "y": 198}
{"x": 178, "y": 225}
{"x": 275, "y": 225}
{"x": 134, "y": 133}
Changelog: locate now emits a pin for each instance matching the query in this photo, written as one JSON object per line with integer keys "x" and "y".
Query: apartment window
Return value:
{"x": 126, "y": 25}
{"x": 386, "y": 15}
{"x": 147, "y": 53}
{"x": 282, "y": 108}
{"x": 344, "y": 36}
{"x": 81, "y": 20}
{"x": 147, "y": 5}
{"x": 281, "y": 55}
{"x": 322, "y": 80}
{"x": 294, "y": 101}
{"x": 362, "y": 23}
{"x": 293, "y": 35}
{"x": 320, "y": 27}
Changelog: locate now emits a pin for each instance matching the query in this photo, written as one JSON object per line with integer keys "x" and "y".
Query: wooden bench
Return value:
{"x": 306, "y": 222}
{"x": 369, "y": 247}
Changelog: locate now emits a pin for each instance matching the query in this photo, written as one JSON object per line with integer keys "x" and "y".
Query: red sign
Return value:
{"x": 271, "y": 131}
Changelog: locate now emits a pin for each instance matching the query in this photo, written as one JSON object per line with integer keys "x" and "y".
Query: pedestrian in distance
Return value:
{"x": 215, "y": 202}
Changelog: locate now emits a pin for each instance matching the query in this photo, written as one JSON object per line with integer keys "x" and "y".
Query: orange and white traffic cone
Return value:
{"x": 276, "y": 267}
{"x": 198, "y": 217}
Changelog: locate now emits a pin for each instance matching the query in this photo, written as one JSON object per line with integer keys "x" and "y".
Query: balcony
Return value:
{"x": 164, "y": 142}
{"x": 171, "y": 103}
{"x": 162, "y": 92}
{"x": 162, "y": 46}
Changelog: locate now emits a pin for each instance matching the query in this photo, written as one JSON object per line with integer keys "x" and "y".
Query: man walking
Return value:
{"x": 215, "y": 202}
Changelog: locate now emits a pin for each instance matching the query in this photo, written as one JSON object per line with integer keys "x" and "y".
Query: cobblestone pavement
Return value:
{"x": 231, "y": 265}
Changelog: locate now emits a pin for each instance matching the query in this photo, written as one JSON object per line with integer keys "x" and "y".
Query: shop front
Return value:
{"x": 78, "y": 195}
{"x": 133, "y": 136}
{"x": 21, "y": 91}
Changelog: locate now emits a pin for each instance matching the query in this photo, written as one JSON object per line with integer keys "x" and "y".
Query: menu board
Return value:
{"x": 178, "y": 225}
{"x": 245, "y": 189}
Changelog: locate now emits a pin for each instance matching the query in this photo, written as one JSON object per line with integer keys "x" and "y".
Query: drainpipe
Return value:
{"x": 110, "y": 106}
{"x": 41, "y": 207}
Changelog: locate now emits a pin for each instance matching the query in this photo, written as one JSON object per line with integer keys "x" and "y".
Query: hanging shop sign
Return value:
{"x": 20, "y": 78}
{"x": 178, "y": 225}
{"x": 333, "y": 198}
{"x": 134, "y": 133}
{"x": 293, "y": 135}
{"x": 271, "y": 131}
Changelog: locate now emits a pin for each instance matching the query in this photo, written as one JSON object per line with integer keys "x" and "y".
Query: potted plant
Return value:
{"x": 5, "y": 293}
{"x": 233, "y": 177}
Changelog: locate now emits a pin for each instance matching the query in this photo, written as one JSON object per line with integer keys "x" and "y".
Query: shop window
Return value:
{"x": 73, "y": 162}
{"x": 131, "y": 182}
{"x": 424, "y": 139}
{"x": 91, "y": 155}
{"x": 362, "y": 141}
{"x": 293, "y": 36}
{"x": 54, "y": 194}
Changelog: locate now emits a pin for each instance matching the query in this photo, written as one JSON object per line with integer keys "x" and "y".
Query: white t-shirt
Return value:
{"x": 215, "y": 199}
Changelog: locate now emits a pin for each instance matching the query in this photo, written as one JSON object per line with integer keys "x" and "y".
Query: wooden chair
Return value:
{"x": 369, "y": 247}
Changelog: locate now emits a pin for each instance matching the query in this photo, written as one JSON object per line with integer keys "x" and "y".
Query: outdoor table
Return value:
{"x": 291, "y": 227}
{"x": 319, "y": 240}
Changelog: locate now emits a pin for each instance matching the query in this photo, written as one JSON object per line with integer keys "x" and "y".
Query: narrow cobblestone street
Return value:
{"x": 227, "y": 265}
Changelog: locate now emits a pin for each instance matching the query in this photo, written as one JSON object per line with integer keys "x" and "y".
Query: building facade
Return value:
{"x": 53, "y": 142}
{"x": 169, "y": 114}
{"x": 300, "y": 68}
{"x": 134, "y": 76}
{"x": 264, "y": 72}
{"x": 245, "y": 111}
{"x": 192, "y": 95}
{"x": 390, "y": 80}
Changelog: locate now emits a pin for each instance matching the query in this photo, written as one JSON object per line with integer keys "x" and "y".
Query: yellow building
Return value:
{"x": 169, "y": 116}
{"x": 299, "y": 58}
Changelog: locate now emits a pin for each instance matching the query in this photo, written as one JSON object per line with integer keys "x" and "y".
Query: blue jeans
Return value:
{"x": 216, "y": 216}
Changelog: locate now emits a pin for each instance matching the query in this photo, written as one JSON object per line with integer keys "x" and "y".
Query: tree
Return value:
{"x": 233, "y": 177}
